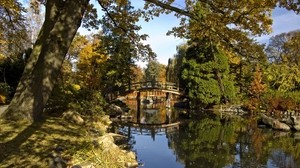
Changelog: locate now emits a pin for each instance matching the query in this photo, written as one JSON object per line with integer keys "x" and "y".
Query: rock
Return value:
{"x": 131, "y": 164}
{"x": 280, "y": 126}
{"x": 56, "y": 161}
{"x": 294, "y": 121}
{"x": 115, "y": 110}
{"x": 73, "y": 117}
{"x": 131, "y": 155}
{"x": 296, "y": 136}
{"x": 107, "y": 142}
{"x": 76, "y": 166}
{"x": 274, "y": 123}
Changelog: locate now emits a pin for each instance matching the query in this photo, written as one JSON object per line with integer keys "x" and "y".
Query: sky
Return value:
{"x": 165, "y": 46}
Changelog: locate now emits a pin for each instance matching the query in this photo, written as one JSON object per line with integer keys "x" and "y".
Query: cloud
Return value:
{"x": 164, "y": 46}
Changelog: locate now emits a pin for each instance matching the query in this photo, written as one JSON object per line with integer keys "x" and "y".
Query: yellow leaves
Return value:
{"x": 2, "y": 57}
{"x": 121, "y": 2}
{"x": 92, "y": 61}
{"x": 88, "y": 55}
{"x": 232, "y": 57}
{"x": 10, "y": 4}
{"x": 231, "y": 22}
{"x": 2, "y": 99}
{"x": 76, "y": 87}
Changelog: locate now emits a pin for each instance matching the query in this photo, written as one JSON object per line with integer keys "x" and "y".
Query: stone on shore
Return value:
{"x": 274, "y": 123}
{"x": 73, "y": 117}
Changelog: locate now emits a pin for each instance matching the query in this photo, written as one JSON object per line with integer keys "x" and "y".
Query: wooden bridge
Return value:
{"x": 166, "y": 87}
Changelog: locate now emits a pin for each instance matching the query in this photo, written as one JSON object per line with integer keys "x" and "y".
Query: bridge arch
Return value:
{"x": 148, "y": 89}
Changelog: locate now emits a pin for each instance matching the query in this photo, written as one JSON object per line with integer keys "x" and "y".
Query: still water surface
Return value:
{"x": 205, "y": 140}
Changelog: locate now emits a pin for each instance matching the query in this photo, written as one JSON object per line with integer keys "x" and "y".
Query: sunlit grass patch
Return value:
{"x": 31, "y": 145}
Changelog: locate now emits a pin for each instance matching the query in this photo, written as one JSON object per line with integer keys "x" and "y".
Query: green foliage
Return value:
{"x": 283, "y": 77}
{"x": 205, "y": 74}
{"x": 72, "y": 96}
{"x": 229, "y": 88}
{"x": 174, "y": 67}
{"x": 87, "y": 102}
{"x": 154, "y": 71}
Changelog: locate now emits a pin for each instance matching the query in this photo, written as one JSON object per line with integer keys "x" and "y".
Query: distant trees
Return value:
{"x": 155, "y": 71}
{"x": 284, "y": 55}
{"x": 174, "y": 67}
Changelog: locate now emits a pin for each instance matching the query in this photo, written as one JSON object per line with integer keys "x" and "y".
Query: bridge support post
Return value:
{"x": 138, "y": 110}
{"x": 168, "y": 95}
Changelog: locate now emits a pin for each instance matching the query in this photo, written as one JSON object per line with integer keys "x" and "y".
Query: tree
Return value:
{"x": 257, "y": 86}
{"x": 62, "y": 19}
{"x": 282, "y": 48}
{"x": 123, "y": 45}
{"x": 13, "y": 45}
{"x": 138, "y": 73}
{"x": 154, "y": 71}
{"x": 174, "y": 67}
{"x": 206, "y": 74}
{"x": 13, "y": 34}
{"x": 284, "y": 55}
{"x": 91, "y": 65}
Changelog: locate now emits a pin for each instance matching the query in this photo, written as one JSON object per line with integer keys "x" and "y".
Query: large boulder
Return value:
{"x": 274, "y": 123}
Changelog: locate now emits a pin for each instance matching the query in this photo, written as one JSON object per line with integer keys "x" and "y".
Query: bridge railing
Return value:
{"x": 152, "y": 85}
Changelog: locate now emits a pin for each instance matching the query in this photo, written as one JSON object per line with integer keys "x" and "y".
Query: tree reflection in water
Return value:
{"x": 215, "y": 142}
{"x": 207, "y": 140}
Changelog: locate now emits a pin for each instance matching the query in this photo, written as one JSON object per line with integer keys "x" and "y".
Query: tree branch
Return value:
{"x": 172, "y": 8}
{"x": 111, "y": 18}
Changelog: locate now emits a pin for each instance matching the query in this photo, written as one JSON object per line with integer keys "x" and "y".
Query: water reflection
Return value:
{"x": 207, "y": 140}
{"x": 152, "y": 113}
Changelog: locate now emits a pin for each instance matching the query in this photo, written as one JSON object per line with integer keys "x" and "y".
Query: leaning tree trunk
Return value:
{"x": 62, "y": 20}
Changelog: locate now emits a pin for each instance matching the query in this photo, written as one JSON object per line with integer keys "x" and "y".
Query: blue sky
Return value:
{"x": 165, "y": 46}
{"x": 283, "y": 21}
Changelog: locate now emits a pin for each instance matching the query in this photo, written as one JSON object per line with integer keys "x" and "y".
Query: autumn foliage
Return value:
{"x": 256, "y": 89}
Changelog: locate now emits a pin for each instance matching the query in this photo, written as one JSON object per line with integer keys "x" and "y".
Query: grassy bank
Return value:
{"x": 56, "y": 140}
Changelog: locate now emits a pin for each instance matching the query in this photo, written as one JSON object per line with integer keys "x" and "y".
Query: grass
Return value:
{"x": 31, "y": 145}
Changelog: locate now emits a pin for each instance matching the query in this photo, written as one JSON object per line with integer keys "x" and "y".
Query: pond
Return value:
{"x": 169, "y": 138}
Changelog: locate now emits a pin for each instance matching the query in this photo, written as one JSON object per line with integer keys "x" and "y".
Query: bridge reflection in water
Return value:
{"x": 150, "y": 119}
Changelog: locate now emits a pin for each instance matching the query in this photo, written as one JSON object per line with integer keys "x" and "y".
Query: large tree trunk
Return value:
{"x": 62, "y": 20}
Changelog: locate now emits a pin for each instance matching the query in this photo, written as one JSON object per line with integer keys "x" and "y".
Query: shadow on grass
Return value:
{"x": 29, "y": 145}
{"x": 12, "y": 146}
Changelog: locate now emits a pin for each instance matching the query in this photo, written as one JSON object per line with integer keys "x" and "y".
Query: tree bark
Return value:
{"x": 62, "y": 20}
